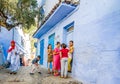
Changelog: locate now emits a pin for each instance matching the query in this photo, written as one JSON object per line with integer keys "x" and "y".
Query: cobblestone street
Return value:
{"x": 23, "y": 77}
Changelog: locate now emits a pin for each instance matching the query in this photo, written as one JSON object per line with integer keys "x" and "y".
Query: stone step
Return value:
{"x": 23, "y": 77}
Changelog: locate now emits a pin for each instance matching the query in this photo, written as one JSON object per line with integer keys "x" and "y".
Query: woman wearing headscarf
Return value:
{"x": 13, "y": 58}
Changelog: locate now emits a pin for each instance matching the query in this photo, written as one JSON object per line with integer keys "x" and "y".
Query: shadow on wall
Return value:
{"x": 119, "y": 51}
{"x": 5, "y": 38}
{"x": 5, "y": 45}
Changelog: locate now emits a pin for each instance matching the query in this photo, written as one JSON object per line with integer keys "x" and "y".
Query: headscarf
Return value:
{"x": 12, "y": 46}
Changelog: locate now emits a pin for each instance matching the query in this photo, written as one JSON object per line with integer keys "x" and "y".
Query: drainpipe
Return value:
{"x": 0, "y": 28}
{"x": 13, "y": 34}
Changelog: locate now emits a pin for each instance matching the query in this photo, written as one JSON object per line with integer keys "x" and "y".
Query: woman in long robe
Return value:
{"x": 13, "y": 58}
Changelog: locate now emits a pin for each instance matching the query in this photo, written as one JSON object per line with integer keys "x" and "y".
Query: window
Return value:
{"x": 70, "y": 29}
{"x": 68, "y": 32}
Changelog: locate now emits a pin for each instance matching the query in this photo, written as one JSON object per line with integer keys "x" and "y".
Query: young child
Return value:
{"x": 64, "y": 61}
{"x": 50, "y": 57}
{"x": 35, "y": 65}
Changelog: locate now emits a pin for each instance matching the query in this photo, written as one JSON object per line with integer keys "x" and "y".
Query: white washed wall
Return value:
{"x": 97, "y": 47}
{"x": 96, "y": 41}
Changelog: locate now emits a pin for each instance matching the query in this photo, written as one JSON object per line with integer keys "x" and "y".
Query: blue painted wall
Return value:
{"x": 97, "y": 45}
{"x": 51, "y": 40}
{"x": 6, "y": 37}
{"x": 42, "y": 51}
{"x": 96, "y": 41}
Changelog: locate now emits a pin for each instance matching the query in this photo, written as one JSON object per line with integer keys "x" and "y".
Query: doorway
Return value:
{"x": 68, "y": 33}
{"x": 68, "y": 36}
{"x": 51, "y": 40}
{"x": 42, "y": 51}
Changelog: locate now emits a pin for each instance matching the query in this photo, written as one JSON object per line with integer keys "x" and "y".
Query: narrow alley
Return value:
{"x": 23, "y": 77}
{"x": 78, "y": 41}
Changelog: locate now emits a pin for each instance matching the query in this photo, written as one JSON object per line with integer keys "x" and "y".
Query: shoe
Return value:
{"x": 61, "y": 76}
{"x": 14, "y": 72}
{"x": 31, "y": 73}
{"x": 11, "y": 73}
{"x": 39, "y": 72}
{"x": 52, "y": 72}
{"x": 69, "y": 71}
{"x": 56, "y": 74}
{"x": 65, "y": 77}
{"x": 49, "y": 72}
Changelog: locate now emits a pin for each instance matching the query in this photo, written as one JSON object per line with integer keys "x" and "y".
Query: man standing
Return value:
{"x": 13, "y": 58}
{"x": 70, "y": 55}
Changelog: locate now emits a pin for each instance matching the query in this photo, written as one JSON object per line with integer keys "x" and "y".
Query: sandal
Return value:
{"x": 61, "y": 77}
{"x": 14, "y": 73}
{"x": 49, "y": 72}
{"x": 39, "y": 72}
{"x": 65, "y": 77}
{"x": 56, "y": 74}
{"x": 31, "y": 73}
{"x": 11, "y": 73}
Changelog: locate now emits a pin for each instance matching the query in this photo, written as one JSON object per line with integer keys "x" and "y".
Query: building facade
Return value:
{"x": 6, "y": 37}
{"x": 94, "y": 27}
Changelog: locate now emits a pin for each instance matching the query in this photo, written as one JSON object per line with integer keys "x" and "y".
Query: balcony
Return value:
{"x": 57, "y": 14}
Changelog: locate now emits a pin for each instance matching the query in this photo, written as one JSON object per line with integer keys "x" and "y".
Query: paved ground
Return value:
{"x": 23, "y": 77}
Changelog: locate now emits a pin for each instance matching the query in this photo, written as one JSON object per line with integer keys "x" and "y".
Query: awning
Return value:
{"x": 60, "y": 13}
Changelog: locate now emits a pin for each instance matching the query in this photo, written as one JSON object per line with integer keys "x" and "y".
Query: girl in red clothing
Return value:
{"x": 64, "y": 60}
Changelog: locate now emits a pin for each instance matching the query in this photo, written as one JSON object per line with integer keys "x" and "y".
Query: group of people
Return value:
{"x": 60, "y": 58}
{"x": 13, "y": 60}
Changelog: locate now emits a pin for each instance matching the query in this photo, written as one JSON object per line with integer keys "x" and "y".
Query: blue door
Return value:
{"x": 42, "y": 51}
{"x": 51, "y": 41}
